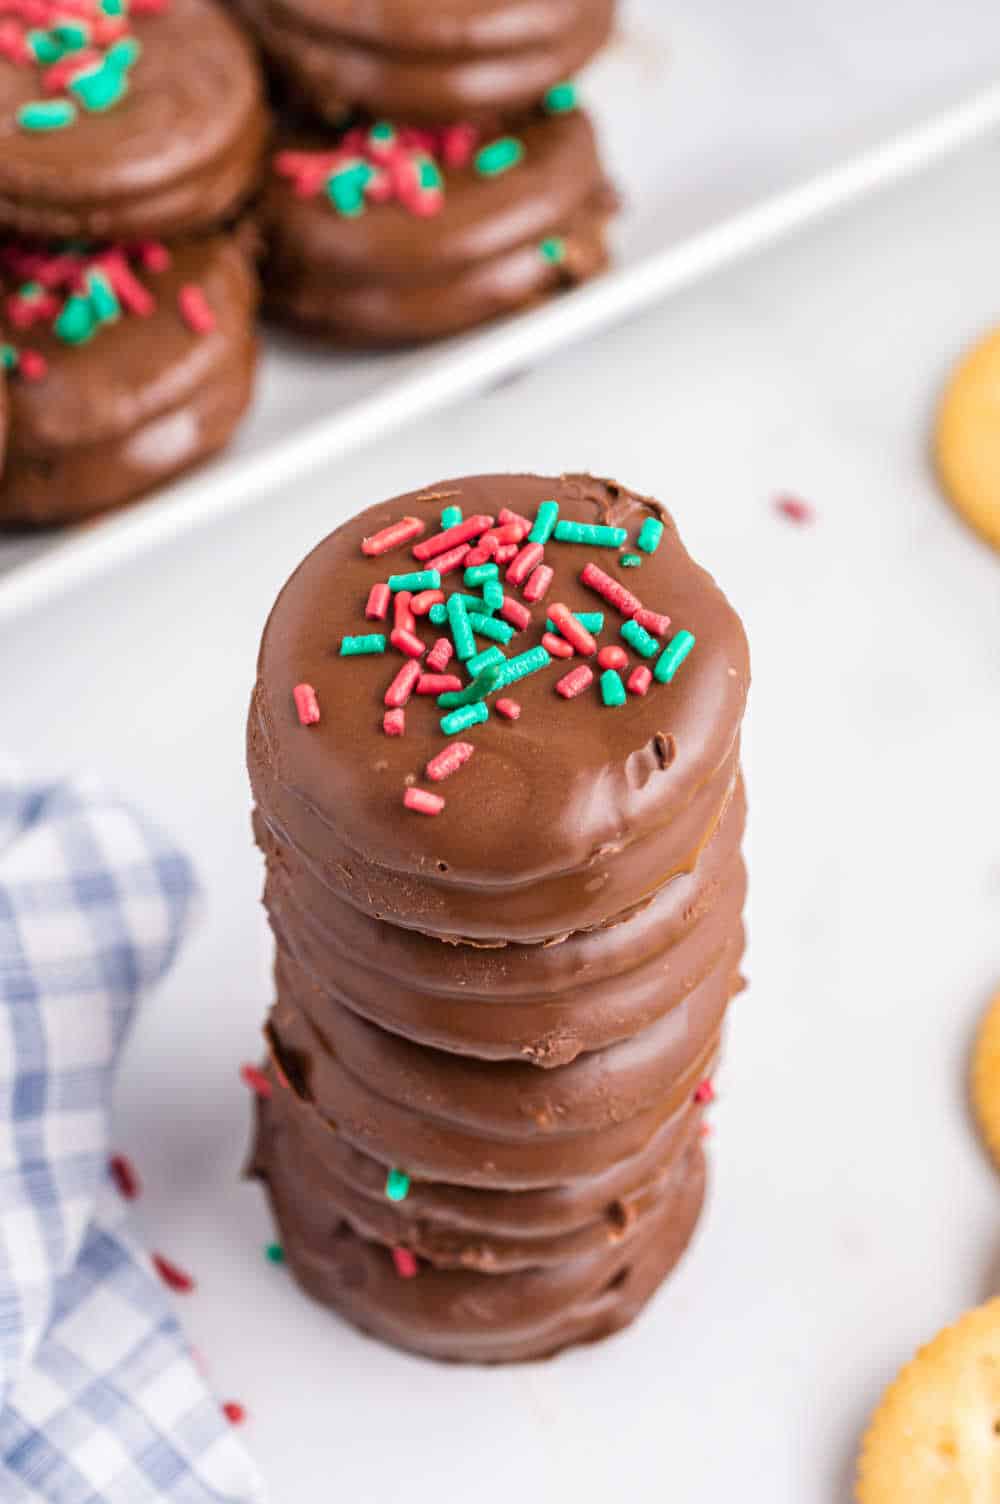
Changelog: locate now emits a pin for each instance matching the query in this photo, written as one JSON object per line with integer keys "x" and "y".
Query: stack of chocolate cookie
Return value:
{"x": 133, "y": 132}
{"x": 494, "y": 747}
{"x": 445, "y": 174}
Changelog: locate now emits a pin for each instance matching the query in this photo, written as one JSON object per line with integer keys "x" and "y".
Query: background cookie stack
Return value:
{"x": 131, "y": 134}
{"x": 444, "y": 174}
{"x": 494, "y": 747}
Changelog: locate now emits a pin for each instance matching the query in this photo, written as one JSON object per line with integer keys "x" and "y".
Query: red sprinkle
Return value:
{"x": 449, "y": 761}
{"x": 421, "y": 603}
{"x": 423, "y": 802}
{"x": 509, "y": 709}
{"x": 573, "y": 630}
{"x": 440, "y": 655}
{"x": 557, "y": 646}
{"x": 378, "y": 603}
{"x": 506, "y": 517}
{"x": 705, "y": 1091}
{"x": 392, "y": 537}
{"x": 441, "y": 543}
{"x": 125, "y": 1177}
{"x": 512, "y": 532}
{"x": 454, "y": 559}
{"x": 575, "y": 682}
{"x": 403, "y": 616}
{"x": 234, "y": 1413}
{"x": 505, "y": 552}
{"x": 407, "y": 642}
{"x": 639, "y": 679}
{"x": 480, "y": 555}
{"x": 403, "y": 685}
{"x": 172, "y": 1275}
{"x": 438, "y": 684}
{"x": 394, "y": 722}
{"x": 795, "y": 509}
{"x": 612, "y": 591}
{"x": 257, "y": 1081}
{"x": 406, "y": 1264}
{"x": 32, "y": 365}
{"x": 306, "y": 704}
{"x": 154, "y": 255}
{"x": 195, "y": 309}
{"x": 653, "y": 622}
{"x": 612, "y": 657}
{"x": 527, "y": 559}
{"x": 512, "y": 611}
{"x": 538, "y": 584}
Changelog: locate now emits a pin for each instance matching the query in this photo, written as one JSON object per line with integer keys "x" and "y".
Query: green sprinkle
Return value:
{"x": 46, "y": 115}
{"x": 478, "y": 574}
{"x": 493, "y": 594}
{"x": 397, "y": 1185}
{"x": 672, "y": 657}
{"x": 420, "y": 579}
{"x": 124, "y": 53}
{"x": 97, "y": 89}
{"x": 500, "y": 156}
{"x": 428, "y": 175}
{"x": 438, "y": 613}
{"x": 72, "y": 35}
{"x": 650, "y": 535}
{"x": 637, "y": 637}
{"x": 545, "y": 520}
{"x": 44, "y": 46}
{"x": 630, "y": 561}
{"x": 77, "y": 321}
{"x": 461, "y": 631}
{"x": 561, "y": 98}
{"x": 103, "y": 299}
{"x": 346, "y": 189}
{"x": 112, "y": 7}
{"x": 471, "y": 602}
{"x": 592, "y": 620}
{"x": 461, "y": 720}
{"x": 523, "y": 665}
{"x": 485, "y": 626}
{"x": 590, "y": 532}
{"x": 370, "y": 642}
{"x": 488, "y": 658}
{"x": 8, "y": 357}
{"x": 482, "y": 685}
{"x": 553, "y": 250}
{"x": 612, "y": 688}
{"x": 450, "y": 517}
{"x": 382, "y": 132}
{"x": 274, "y": 1253}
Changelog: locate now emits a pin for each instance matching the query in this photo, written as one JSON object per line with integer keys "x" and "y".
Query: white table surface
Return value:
{"x": 851, "y": 1211}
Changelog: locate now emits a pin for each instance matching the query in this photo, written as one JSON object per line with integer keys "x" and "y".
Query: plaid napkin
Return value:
{"x": 100, "y": 1401}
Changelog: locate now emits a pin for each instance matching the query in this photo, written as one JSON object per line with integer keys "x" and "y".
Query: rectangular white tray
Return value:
{"x": 725, "y": 125}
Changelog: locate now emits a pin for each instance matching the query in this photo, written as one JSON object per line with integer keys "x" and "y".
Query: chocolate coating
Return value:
{"x": 517, "y": 1000}
{"x": 460, "y": 59}
{"x": 144, "y": 399}
{"x": 181, "y": 152}
{"x": 390, "y": 277}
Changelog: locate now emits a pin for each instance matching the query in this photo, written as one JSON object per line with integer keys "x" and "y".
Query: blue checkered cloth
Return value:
{"x": 100, "y": 1401}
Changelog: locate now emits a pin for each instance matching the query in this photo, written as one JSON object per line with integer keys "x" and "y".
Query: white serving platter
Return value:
{"x": 726, "y": 126}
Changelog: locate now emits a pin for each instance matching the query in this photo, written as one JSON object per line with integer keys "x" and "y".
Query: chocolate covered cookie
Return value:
{"x": 451, "y": 60}
{"x": 494, "y": 748}
{"x": 127, "y": 364}
{"x": 395, "y": 235}
{"x": 122, "y": 118}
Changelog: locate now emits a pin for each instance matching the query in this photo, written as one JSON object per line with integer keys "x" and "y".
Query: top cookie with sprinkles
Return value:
{"x": 479, "y": 652}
